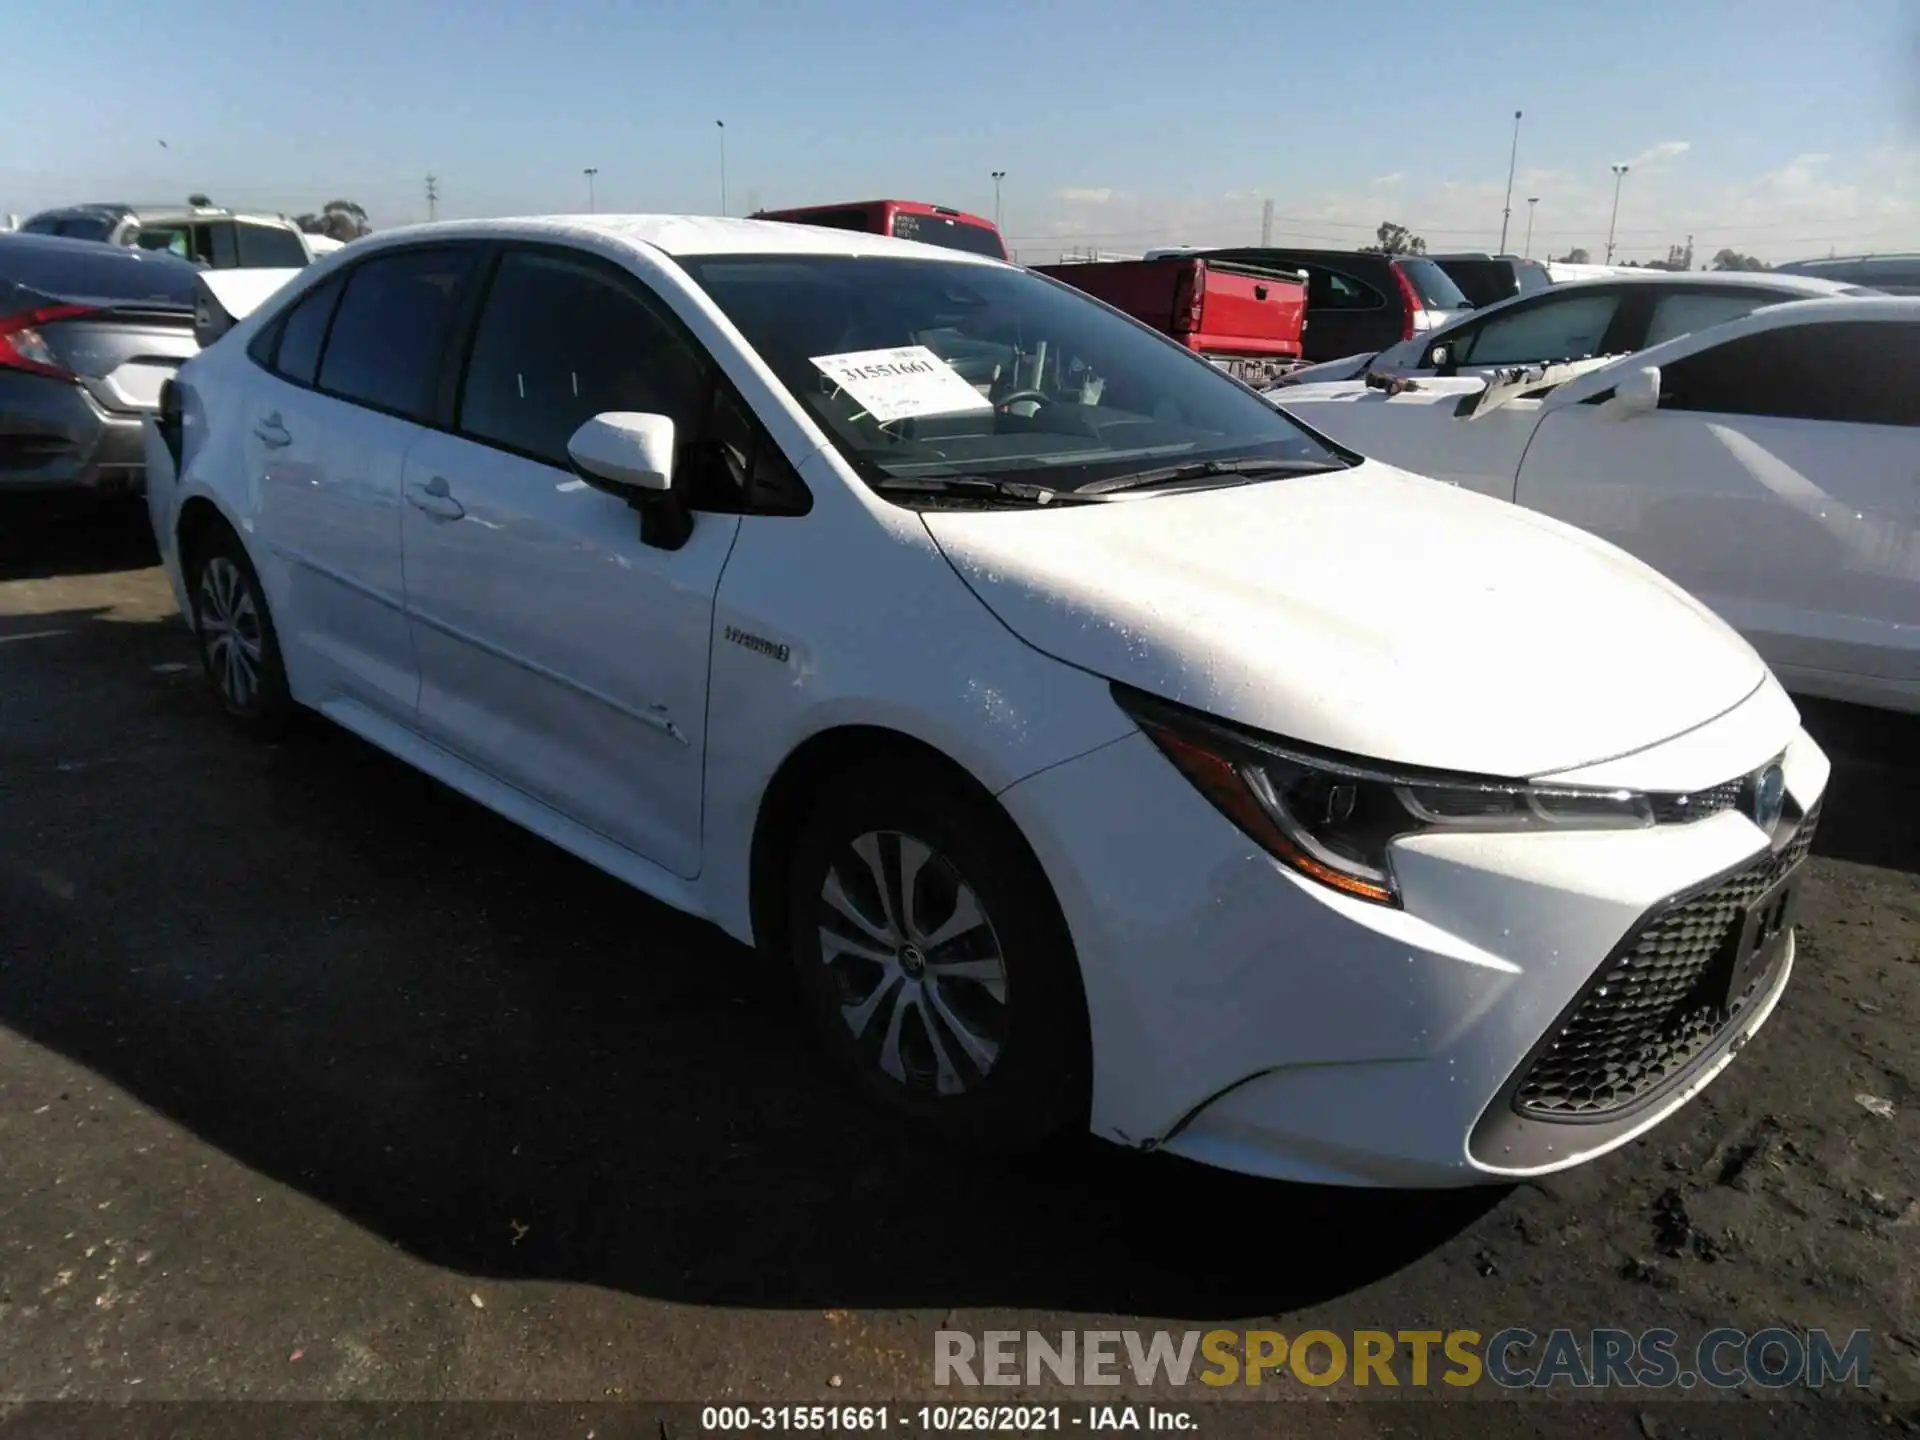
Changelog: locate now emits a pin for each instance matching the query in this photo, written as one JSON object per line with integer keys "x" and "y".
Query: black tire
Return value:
{"x": 223, "y": 579}
{"x": 1035, "y": 1085}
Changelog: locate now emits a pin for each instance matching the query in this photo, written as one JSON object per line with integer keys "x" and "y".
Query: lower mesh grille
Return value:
{"x": 1650, "y": 1013}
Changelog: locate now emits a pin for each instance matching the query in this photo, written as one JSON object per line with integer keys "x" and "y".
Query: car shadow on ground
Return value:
{"x": 45, "y": 537}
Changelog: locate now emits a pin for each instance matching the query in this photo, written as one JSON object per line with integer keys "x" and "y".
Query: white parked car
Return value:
{"x": 1616, "y": 316}
{"x": 1771, "y": 466}
{"x": 1098, "y": 747}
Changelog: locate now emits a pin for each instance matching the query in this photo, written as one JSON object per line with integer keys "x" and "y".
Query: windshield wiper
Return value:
{"x": 980, "y": 487}
{"x": 1207, "y": 470}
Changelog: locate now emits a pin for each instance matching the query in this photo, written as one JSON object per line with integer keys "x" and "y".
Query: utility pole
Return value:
{"x": 723, "y": 165}
{"x": 590, "y": 172}
{"x": 1266, "y": 224}
{"x": 998, "y": 176}
{"x": 1619, "y": 174}
{"x": 433, "y": 198}
{"x": 1532, "y": 200}
{"x": 1512, "y": 157}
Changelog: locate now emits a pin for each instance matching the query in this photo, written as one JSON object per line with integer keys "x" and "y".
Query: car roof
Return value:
{"x": 678, "y": 236}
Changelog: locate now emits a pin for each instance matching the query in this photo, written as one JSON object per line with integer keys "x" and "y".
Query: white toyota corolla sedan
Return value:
{"x": 1099, "y": 746}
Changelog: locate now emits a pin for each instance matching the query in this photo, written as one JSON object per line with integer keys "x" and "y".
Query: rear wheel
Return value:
{"x": 934, "y": 960}
{"x": 238, "y": 646}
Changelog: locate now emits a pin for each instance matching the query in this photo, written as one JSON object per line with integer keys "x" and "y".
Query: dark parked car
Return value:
{"x": 1890, "y": 274}
{"x": 1489, "y": 279}
{"x": 88, "y": 334}
{"x": 1356, "y": 300}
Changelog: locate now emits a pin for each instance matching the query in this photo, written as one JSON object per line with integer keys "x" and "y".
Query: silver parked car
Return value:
{"x": 216, "y": 238}
{"x": 88, "y": 335}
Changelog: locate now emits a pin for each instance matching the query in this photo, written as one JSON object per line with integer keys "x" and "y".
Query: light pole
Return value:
{"x": 723, "y": 164}
{"x": 1619, "y": 174}
{"x": 1532, "y": 200}
{"x": 1512, "y": 157}
{"x": 590, "y": 172}
{"x": 998, "y": 176}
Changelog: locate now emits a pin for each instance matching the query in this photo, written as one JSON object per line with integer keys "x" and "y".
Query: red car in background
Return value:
{"x": 904, "y": 219}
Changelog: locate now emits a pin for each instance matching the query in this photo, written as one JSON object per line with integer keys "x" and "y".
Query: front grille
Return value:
{"x": 1678, "y": 809}
{"x": 1649, "y": 1012}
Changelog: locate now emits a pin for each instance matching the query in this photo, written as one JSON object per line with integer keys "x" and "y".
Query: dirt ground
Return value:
{"x": 318, "y": 1082}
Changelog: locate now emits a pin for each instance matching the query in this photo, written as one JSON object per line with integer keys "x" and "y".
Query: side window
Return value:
{"x": 303, "y": 330}
{"x": 270, "y": 247}
{"x": 561, "y": 340}
{"x": 215, "y": 245}
{"x": 1677, "y": 315}
{"x": 389, "y": 328}
{"x": 1566, "y": 327}
{"x": 1330, "y": 290}
{"x": 1859, "y": 372}
{"x": 743, "y": 470}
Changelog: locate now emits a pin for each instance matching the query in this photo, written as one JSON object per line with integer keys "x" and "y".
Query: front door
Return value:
{"x": 559, "y": 653}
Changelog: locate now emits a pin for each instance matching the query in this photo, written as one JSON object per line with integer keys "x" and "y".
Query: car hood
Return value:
{"x": 1369, "y": 611}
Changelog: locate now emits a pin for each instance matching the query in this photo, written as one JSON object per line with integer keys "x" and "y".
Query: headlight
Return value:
{"x": 1334, "y": 820}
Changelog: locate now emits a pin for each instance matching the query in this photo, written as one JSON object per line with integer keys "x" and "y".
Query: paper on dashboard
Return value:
{"x": 900, "y": 383}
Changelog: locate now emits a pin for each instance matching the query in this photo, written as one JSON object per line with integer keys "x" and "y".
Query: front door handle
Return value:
{"x": 435, "y": 498}
{"x": 271, "y": 433}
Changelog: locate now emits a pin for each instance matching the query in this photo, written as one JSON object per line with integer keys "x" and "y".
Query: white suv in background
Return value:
{"x": 1097, "y": 745}
{"x": 209, "y": 236}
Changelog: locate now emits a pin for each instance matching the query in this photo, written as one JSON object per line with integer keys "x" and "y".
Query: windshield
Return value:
{"x": 953, "y": 234}
{"x": 1431, "y": 284}
{"x": 928, "y": 368}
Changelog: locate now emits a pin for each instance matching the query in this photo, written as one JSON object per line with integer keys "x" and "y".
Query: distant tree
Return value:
{"x": 199, "y": 202}
{"x": 1392, "y": 239}
{"x": 1575, "y": 256}
{"x": 338, "y": 220}
{"x": 1734, "y": 260}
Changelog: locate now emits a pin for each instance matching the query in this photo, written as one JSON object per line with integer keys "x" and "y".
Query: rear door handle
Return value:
{"x": 271, "y": 433}
{"x": 435, "y": 498}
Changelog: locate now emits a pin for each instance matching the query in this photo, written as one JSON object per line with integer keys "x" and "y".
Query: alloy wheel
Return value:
{"x": 228, "y": 617}
{"x": 920, "y": 975}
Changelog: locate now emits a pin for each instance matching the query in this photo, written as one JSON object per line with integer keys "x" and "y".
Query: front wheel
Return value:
{"x": 238, "y": 646}
{"x": 935, "y": 962}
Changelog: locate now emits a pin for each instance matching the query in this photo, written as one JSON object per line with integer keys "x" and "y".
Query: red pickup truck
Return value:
{"x": 1246, "y": 319}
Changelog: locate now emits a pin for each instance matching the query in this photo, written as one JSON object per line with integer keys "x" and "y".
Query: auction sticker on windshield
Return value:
{"x": 898, "y": 384}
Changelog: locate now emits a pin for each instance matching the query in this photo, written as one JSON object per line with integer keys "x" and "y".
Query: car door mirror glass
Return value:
{"x": 1441, "y": 356}
{"x": 629, "y": 451}
{"x": 1637, "y": 393}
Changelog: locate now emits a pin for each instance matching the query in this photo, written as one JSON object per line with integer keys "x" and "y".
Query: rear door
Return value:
{"x": 330, "y": 450}
{"x": 1347, "y": 315}
{"x": 1777, "y": 481}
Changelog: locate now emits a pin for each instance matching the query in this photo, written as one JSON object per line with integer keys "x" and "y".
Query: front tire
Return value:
{"x": 934, "y": 961}
{"x": 238, "y": 645}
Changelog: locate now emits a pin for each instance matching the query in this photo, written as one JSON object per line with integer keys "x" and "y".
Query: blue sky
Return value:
{"x": 1773, "y": 127}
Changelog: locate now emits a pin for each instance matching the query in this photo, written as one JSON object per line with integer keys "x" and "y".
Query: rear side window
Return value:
{"x": 270, "y": 247}
{"x": 1677, "y": 315}
{"x": 214, "y": 245}
{"x": 1860, "y": 372}
{"x": 389, "y": 328}
{"x": 303, "y": 331}
{"x": 1330, "y": 290}
{"x": 1432, "y": 284}
{"x": 1560, "y": 327}
{"x": 829, "y": 219}
{"x": 561, "y": 340}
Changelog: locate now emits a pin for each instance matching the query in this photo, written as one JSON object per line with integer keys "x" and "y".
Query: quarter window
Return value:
{"x": 388, "y": 331}
{"x": 1568, "y": 327}
{"x": 561, "y": 340}
{"x": 1861, "y": 372}
{"x": 1329, "y": 290}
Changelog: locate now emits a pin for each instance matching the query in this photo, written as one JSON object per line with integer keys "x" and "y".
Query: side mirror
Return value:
{"x": 631, "y": 455}
{"x": 1638, "y": 393}
{"x": 1441, "y": 357}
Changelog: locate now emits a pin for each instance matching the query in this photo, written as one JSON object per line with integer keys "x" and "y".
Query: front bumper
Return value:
{"x": 55, "y": 437}
{"x": 1248, "y": 1018}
